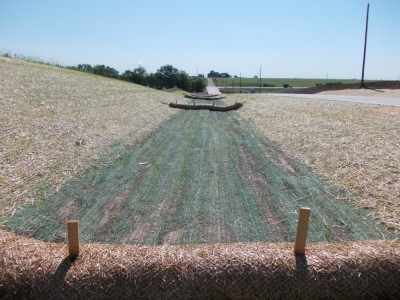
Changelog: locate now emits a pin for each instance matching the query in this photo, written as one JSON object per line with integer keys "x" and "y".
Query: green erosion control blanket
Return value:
{"x": 202, "y": 177}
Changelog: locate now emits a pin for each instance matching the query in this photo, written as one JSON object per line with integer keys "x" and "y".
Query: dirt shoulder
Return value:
{"x": 376, "y": 85}
{"x": 389, "y": 93}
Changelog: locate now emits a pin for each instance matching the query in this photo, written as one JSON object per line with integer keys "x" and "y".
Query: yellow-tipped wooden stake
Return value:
{"x": 73, "y": 238}
{"x": 302, "y": 229}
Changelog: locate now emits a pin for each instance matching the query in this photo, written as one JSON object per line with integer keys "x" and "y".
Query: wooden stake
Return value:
{"x": 73, "y": 238}
{"x": 302, "y": 229}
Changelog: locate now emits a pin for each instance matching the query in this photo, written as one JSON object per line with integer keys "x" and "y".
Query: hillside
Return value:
{"x": 55, "y": 121}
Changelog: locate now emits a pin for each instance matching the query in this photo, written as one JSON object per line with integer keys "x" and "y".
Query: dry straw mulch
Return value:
{"x": 55, "y": 121}
{"x": 34, "y": 269}
{"x": 354, "y": 146}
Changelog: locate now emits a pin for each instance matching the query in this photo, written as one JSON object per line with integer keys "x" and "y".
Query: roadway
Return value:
{"x": 211, "y": 88}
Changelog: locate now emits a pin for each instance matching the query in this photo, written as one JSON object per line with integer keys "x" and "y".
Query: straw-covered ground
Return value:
{"x": 202, "y": 177}
{"x": 354, "y": 146}
{"x": 54, "y": 122}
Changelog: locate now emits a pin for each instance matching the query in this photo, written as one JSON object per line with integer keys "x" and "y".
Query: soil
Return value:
{"x": 386, "y": 93}
{"x": 257, "y": 183}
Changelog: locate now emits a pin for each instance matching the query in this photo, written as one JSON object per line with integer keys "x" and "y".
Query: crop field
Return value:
{"x": 278, "y": 82}
{"x": 147, "y": 174}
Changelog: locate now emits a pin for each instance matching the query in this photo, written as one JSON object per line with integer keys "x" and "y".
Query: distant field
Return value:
{"x": 278, "y": 82}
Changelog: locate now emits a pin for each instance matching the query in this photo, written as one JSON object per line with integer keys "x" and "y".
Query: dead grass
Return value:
{"x": 54, "y": 122}
{"x": 354, "y": 146}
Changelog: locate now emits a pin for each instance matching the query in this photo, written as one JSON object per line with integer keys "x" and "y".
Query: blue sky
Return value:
{"x": 303, "y": 39}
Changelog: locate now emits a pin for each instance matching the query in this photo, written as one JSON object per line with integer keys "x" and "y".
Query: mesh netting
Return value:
{"x": 357, "y": 270}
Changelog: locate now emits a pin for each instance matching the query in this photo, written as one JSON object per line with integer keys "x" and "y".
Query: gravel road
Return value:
{"x": 211, "y": 88}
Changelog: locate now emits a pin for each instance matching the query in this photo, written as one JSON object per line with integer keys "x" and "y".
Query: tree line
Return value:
{"x": 166, "y": 77}
{"x": 214, "y": 74}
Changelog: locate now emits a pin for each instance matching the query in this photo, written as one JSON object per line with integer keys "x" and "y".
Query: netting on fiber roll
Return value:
{"x": 354, "y": 270}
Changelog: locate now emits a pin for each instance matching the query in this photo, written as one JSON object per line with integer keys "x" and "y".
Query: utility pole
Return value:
{"x": 240, "y": 82}
{"x": 362, "y": 85}
{"x": 260, "y": 78}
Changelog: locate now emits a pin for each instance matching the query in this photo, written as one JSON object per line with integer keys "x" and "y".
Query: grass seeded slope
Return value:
{"x": 46, "y": 111}
{"x": 202, "y": 177}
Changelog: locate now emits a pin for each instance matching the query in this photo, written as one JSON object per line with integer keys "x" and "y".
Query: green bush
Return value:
{"x": 197, "y": 85}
